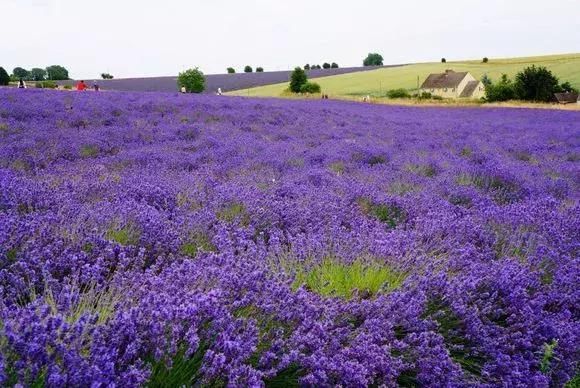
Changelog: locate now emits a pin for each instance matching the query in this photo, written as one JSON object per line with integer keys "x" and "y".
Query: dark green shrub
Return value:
{"x": 373, "y": 59}
{"x": 310, "y": 88}
{"x": 326, "y": 65}
{"x": 334, "y": 65}
{"x": 567, "y": 87}
{"x": 4, "y": 77}
{"x": 398, "y": 93}
{"x": 485, "y": 59}
{"x": 67, "y": 87}
{"x": 502, "y": 91}
{"x": 443, "y": 60}
{"x": 248, "y": 69}
{"x": 307, "y": 67}
{"x": 535, "y": 84}
{"x": 106, "y": 76}
{"x": 231, "y": 70}
{"x": 193, "y": 80}
{"x": 297, "y": 79}
{"x": 259, "y": 69}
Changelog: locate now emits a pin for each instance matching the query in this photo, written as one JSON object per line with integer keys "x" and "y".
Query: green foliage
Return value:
{"x": 56, "y": 73}
{"x": 536, "y": 84}
{"x": 19, "y": 72}
{"x": 106, "y": 76}
{"x": 574, "y": 383}
{"x": 334, "y": 65}
{"x": 310, "y": 88}
{"x": 307, "y": 67}
{"x": 197, "y": 242}
{"x": 373, "y": 59}
{"x": 316, "y": 67}
{"x": 504, "y": 90}
{"x": 390, "y": 214}
{"x": 361, "y": 278}
{"x": 548, "y": 356}
{"x": 259, "y": 69}
{"x": 37, "y": 74}
{"x": 443, "y": 60}
{"x": 297, "y": 79}
{"x": 89, "y": 151}
{"x": 192, "y": 79}
{"x": 567, "y": 87}
{"x": 49, "y": 84}
{"x": 326, "y": 65}
{"x": 248, "y": 69}
{"x": 127, "y": 235}
{"x": 485, "y": 60}
{"x": 231, "y": 70}
{"x": 184, "y": 371}
{"x": 234, "y": 211}
{"x": 67, "y": 87}
{"x": 4, "y": 77}
{"x": 398, "y": 93}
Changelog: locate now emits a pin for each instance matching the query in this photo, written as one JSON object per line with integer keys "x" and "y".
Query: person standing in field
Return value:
{"x": 21, "y": 84}
{"x": 219, "y": 91}
{"x": 81, "y": 86}
{"x": 95, "y": 86}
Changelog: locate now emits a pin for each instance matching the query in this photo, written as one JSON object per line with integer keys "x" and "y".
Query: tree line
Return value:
{"x": 531, "y": 84}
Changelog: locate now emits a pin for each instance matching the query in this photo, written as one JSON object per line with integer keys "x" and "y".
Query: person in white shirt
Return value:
{"x": 21, "y": 84}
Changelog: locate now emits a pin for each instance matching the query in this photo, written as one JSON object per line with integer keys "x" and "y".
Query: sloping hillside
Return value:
{"x": 377, "y": 82}
{"x": 227, "y": 82}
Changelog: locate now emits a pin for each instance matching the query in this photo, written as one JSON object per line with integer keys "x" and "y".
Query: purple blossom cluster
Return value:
{"x": 154, "y": 239}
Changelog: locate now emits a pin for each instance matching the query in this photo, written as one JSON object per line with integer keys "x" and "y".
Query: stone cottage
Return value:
{"x": 451, "y": 84}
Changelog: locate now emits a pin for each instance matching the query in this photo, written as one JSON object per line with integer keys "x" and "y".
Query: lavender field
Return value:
{"x": 169, "y": 240}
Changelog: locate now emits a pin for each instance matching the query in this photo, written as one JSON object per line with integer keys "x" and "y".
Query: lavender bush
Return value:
{"x": 170, "y": 240}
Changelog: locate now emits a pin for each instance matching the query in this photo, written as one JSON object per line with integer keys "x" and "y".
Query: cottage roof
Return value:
{"x": 469, "y": 89}
{"x": 449, "y": 79}
{"x": 567, "y": 97}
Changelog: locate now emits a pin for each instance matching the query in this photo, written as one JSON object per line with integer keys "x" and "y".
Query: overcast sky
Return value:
{"x": 130, "y": 38}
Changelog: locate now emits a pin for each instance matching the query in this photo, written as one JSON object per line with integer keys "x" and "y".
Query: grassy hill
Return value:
{"x": 375, "y": 83}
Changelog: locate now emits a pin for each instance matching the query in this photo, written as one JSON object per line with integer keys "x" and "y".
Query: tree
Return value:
{"x": 297, "y": 79}
{"x": 307, "y": 67}
{"x": 259, "y": 69}
{"x": 106, "y": 76}
{"x": 248, "y": 69}
{"x": 19, "y": 72}
{"x": 4, "y": 77}
{"x": 317, "y": 67}
{"x": 502, "y": 91}
{"x": 37, "y": 74}
{"x": 326, "y": 65}
{"x": 192, "y": 79}
{"x": 443, "y": 60}
{"x": 536, "y": 84}
{"x": 56, "y": 73}
{"x": 373, "y": 59}
{"x": 334, "y": 65}
{"x": 231, "y": 70}
{"x": 485, "y": 59}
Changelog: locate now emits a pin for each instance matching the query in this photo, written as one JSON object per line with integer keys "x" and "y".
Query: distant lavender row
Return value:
{"x": 227, "y": 82}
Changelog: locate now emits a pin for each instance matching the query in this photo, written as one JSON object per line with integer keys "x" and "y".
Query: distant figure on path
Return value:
{"x": 21, "y": 84}
{"x": 219, "y": 92}
{"x": 95, "y": 86}
{"x": 81, "y": 86}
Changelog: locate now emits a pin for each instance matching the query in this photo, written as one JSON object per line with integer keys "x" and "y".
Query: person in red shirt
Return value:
{"x": 81, "y": 86}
